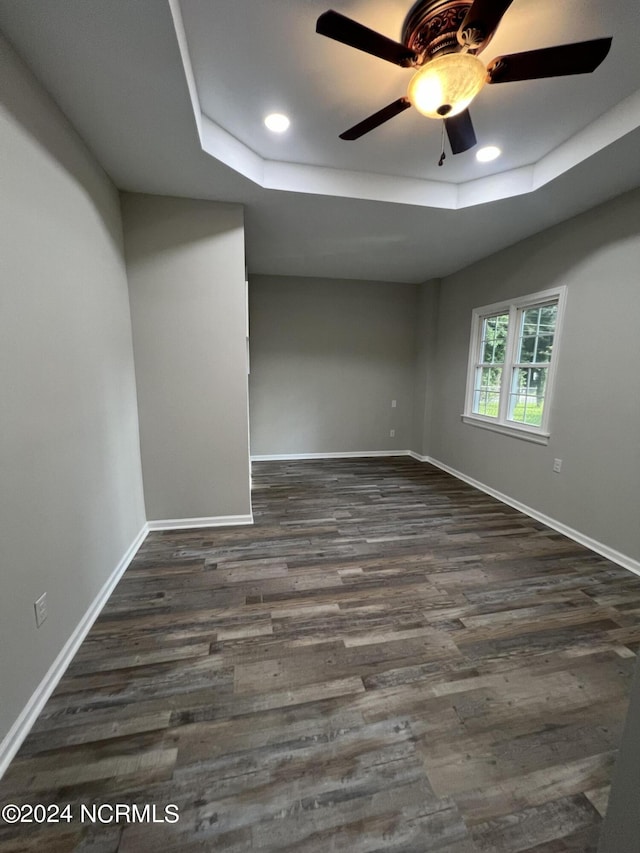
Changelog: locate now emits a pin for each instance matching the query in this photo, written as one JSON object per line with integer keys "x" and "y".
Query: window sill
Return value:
{"x": 537, "y": 437}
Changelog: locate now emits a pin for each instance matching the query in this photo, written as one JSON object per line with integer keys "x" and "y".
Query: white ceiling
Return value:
{"x": 118, "y": 70}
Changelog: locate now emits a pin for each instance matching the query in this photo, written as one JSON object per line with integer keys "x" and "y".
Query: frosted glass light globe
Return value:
{"x": 446, "y": 85}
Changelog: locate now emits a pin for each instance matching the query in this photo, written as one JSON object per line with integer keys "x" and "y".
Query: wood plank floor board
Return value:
{"x": 549, "y": 822}
{"x": 387, "y": 660}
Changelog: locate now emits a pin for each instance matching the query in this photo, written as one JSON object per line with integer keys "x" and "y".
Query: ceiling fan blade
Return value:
{"x": 376, "y": 119}
{"x": 460, "y": 131}
{"x": 579, "y": 58}
{"x": 485, "y": 15}
{"x": 340, "y": 28}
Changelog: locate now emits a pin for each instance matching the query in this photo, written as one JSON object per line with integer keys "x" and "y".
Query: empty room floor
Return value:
{"x": 388, "y": 660}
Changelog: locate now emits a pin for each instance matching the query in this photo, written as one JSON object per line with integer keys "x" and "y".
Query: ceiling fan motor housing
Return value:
{"x": 431, "y": 28}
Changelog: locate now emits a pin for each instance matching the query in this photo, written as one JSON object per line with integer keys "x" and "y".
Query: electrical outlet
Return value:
{"x": 392, "y": 433}
{"x": 557, "y": 466}
{"x": 394, "y": 403}
{"x": 40, "y": 607}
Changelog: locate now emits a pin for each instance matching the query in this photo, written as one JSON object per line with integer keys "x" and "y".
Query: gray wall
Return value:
{"x": 595, "y": 420}
{"x": 425, "y": 366}
{"x": 185, "y": 261}
{"x": 327, "y": 359}
{"x": 71, "y": 491}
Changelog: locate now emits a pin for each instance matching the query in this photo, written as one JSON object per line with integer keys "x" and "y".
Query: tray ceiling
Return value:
{"x": 178, "y": 111}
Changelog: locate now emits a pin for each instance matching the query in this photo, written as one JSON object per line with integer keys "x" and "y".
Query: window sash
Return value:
{"x": 529, "y": 392}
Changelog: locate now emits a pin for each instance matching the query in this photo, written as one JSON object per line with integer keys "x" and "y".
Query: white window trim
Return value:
{"x": 538, "y": 435}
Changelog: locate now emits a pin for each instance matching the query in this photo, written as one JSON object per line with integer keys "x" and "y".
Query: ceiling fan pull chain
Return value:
{"x": 443, "y": 156}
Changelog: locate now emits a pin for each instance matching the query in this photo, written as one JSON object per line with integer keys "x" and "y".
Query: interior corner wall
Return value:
{"x": 186, "y": 267}
{"x": 71, "y": 502}
{"x": 425, "y": 361}
{"x": 595, "y": 415}
{"x": 327, "y": 359}
{"x": 621, "y": 827}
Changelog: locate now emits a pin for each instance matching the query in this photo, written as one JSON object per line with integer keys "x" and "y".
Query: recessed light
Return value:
{"x": 277, "y": 122}
{"x": 486, "y": 155}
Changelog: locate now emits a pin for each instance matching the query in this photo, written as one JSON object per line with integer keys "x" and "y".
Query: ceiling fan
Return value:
{"x": 441, "y": 39}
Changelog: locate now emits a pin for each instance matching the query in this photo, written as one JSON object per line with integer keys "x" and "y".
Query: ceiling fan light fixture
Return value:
{"x": 446, "y": 85}
{"x": 277, "y": 122}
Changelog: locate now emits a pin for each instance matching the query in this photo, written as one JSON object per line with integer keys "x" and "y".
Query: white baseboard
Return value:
{"x": 581, "y": 538}
{"x": 284, "y": 457}
{"x": 417, "y": 456}
{"x": 189, "y": 523}
{"x": 12, "y": 742}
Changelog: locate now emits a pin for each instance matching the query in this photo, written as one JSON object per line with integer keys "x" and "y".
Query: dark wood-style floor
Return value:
{"x": 388, "y": 660}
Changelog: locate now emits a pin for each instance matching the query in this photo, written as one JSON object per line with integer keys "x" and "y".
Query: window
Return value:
{"x": 512, "y": 362}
